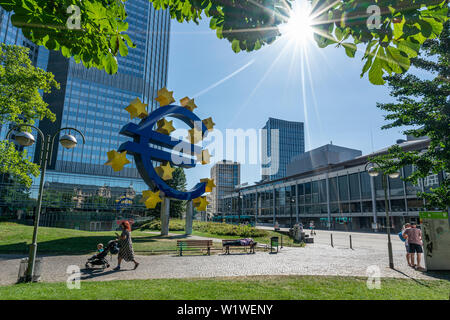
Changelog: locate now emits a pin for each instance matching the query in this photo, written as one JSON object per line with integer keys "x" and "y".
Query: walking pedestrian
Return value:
{"x": 126, "y": 251}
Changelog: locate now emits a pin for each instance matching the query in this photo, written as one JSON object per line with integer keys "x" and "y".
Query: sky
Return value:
{"x": 324, "y": 90}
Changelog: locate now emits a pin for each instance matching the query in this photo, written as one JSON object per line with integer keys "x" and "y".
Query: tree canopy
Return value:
{"x": 94, "y": 32}
{"x": 423, "y": 107}
{"x": 21, "y": 102}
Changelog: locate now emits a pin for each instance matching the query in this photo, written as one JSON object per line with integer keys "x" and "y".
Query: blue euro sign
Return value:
{"x": 144, "y": 153}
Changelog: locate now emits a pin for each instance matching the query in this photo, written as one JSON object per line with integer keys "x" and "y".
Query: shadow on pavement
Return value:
{"x": 95, "y": 273}
{"x": 442, "y": 275}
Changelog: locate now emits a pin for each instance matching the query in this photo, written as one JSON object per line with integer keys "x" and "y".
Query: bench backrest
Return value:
{"x": 195, "y": 243}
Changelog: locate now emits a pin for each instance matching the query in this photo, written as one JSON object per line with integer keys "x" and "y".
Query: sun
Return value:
{"x": 299, "y": 25}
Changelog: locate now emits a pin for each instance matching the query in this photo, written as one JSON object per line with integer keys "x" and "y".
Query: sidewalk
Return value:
{"x": 316, "y": 259}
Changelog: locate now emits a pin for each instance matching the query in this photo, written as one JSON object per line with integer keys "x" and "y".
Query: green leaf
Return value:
{"x": 376, "y": 71}
{"x": 410, "y": 48}
{"x": 123, "y": 49}
{"x": 397, "y": 61}
{"x": 235, "y": 46}
{"x": 110, "y": 64}
{"x": 350, "y": 49}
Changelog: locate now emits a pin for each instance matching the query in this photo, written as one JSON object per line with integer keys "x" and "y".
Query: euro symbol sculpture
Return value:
{"x": 149, "y": 146}
{"x": 143, "y": 148}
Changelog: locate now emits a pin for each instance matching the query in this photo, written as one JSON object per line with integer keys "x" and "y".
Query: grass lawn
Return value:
{"x": 15, "y": 238}
{"x": 260, "y": 288}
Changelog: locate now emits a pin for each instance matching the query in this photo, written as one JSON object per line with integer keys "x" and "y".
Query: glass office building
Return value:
{"x": 94, "y": 102}
{"x": 226, "y": 175}
{"x": 281, "y": 141}
{"x": 13, "y": 36}
{"x": 341, "y": 196}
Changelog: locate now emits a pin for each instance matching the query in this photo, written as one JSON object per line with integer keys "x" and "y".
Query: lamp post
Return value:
{"x": 240, "y": 199}
{"x": 292, "y": 208}
{"x": 374, "y": 172}
{"x": 26, "y": 139}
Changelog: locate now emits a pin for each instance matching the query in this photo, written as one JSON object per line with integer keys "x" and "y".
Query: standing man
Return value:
{"x": 404, "y": 237}
{"x": 414, "y": 238}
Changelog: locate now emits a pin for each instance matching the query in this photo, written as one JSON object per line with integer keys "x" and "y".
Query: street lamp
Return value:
{"x": 374, "y": 172}
{"x": 26, "y": 139}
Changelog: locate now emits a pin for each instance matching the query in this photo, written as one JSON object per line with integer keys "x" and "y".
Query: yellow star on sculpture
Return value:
{"x": 165, "y": 127}
{"x": 200, "y": 203}
{"x": 188, "y": 103}
{"x": 150, "y": 198}
{"x": 165, "y": 171}
{"x": 117, "y": 160}
{"x": 203, "y": 157}
{"x": 195, "y": 135}
{"x": 209, "y": 184}
{"x": 165, "y": 97}
{"x": 209, "y": 124}
{"x": 137, "y": 109}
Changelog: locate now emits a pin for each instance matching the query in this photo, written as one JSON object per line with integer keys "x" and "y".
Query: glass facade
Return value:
{"x": 14, "y": 36}
{"x": 226, "y": 176}
{"x": 291, "y": 142}
{"x": 342, "y": 195}
{"x": 94, "y": 102}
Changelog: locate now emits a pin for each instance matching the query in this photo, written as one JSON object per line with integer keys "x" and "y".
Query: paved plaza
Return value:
{"x": 316, "y": 259}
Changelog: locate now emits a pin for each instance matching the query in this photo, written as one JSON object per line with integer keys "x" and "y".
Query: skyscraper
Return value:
{"x": 281, "y": 141}
{"x": 93, "y": 101}
{"x": 38, "y": 55}
{"x": 226, "y": 175}
{"x": 14, "y": 36}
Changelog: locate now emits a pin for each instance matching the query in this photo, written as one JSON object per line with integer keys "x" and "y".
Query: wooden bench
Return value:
{"x": 184, "y": 245}
{"x": 226, "y": 244}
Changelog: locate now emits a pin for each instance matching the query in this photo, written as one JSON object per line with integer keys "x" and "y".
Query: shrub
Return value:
{"x": 221, "y": 229}
{"x": 174, "y": 225}
{"x": 139, "y": 224}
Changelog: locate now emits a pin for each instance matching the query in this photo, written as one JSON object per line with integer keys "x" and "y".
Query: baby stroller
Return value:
{"x": 100, "y": 258}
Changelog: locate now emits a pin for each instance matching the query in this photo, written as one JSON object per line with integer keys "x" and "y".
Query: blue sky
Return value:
{"x": 335, "y": 104}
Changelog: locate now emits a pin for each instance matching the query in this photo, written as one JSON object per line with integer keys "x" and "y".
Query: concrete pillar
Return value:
{"x": 328, "y": 200}
{"x": 274, "y": 206}
{"x": 297, "y": 212}
{"x": 165, "y": 211}
{"x": 374, "y": 200}
{"x": 189, "y": 217}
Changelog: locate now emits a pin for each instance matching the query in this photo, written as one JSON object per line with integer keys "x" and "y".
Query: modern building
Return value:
{"x": 94, "y": 102}
{"x": 281, "y": 141}
{"x": 341, "y": 196}
{"x": 14, "y": 36}
{"x": 227, "y": 176}
{"x": 38, "y": 55}
{"x": 320, "y": 157}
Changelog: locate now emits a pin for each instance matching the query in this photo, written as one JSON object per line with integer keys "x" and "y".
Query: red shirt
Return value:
{"x": 414, "y": 235}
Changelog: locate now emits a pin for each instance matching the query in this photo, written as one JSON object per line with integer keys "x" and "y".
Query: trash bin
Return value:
{"x": 273, "y": 244}
{"x": 23, "y": 270}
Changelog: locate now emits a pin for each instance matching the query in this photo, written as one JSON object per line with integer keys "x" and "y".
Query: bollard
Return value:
{"x": 332, "y": 240}
{"x": 351, "y": 246}
{"x": 281, "y": 247}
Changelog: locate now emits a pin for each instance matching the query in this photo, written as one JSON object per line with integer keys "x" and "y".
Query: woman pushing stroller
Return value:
{"x": 126, "y": 251}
